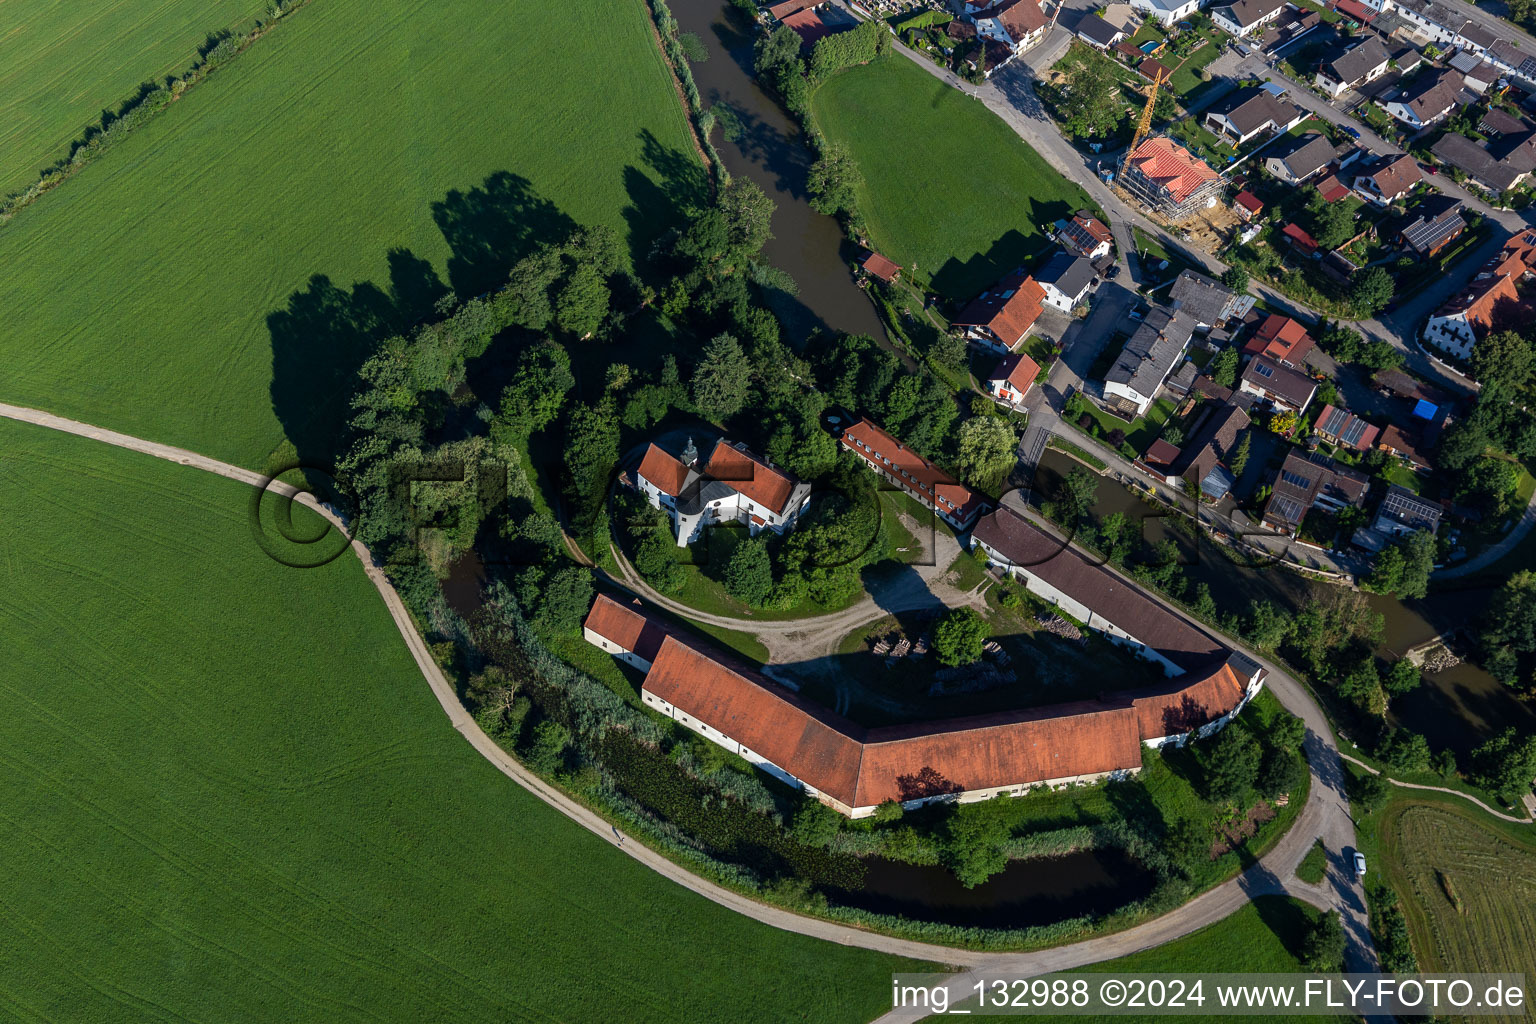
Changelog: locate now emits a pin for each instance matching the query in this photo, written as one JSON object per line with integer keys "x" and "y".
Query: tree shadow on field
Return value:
{"x": 325, "y": 331}
{"x": 670, "y": 180}
{"x": 492, "y": 226}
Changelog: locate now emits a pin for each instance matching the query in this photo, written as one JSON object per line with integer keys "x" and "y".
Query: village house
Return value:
{"x": 1164, "y": 176}
{"x": 1311, "y": 480}
{"x": 1365, "y": 62}
{"x": 1438, "y": 223}
{"x": 1001, "y": 317}
{"x": 1308, "y": 156}
{"x": 1246, "y": 16}
{"x": 1150, "y": 354}
{"x": 1283, "y": 387}
{"x": 1208, "y": 302}
{"x": 735, "y": 486}
{"x": 1342, "y": 427}
{"x": 1066, "y": 280}
{"x": 1167, "y": 12}
{"x": 1443, "y": 25}
{"x": 1488, "y": 300}
{"x": 1247, "y": 206}
{"x": 1281, "y": 339}
{"x": 1085, "y": 235}
{"x": 1501, "y": 162}
{"x": 1409, "y": 445}
{"x": 879, "y": 267}
{"x": 1016, "y": 24}
{"x": 1426, "y": 100}
{"x": 935, "y": 489}
{"x": 1012, "y": 378}
{"x": 1250, "y": 113}
{"x": 1097, "y": 32}
{"x": 1388, "y": 179}
{"x": 1507, "y": 56}
{"x": 1203, "y": 459}
{"x": 1478, "y": 73}
{"x": 1402, "y": 511}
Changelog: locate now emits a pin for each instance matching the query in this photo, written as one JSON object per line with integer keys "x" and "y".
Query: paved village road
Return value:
{"x": 1325, "y": 815}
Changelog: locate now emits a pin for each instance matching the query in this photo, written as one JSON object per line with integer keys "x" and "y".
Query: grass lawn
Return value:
{"x": 1076, "y": 452}
{"x": 65, "y": 63}
{"x": 1470, "y": 893}
{"x": 960, "y": 222}
{"x": 1314, "y": 865}
{"x": 214, "y": 281}
{"x": 1140, "y": 432}
{"x": 232, "y": 797}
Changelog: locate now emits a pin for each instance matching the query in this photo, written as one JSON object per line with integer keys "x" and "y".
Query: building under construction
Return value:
{"x": 1168, "y": 179}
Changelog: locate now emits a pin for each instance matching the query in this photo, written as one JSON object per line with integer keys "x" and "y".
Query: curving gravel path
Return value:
{"x": 1442, "y": 789}
{"x": 1325, "y": 815}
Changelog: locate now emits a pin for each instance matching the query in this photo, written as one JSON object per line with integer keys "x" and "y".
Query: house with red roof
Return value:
{"x": 1332, "y": 189}
{"x": 1012, "y": 378}
{"x": 1085, "y": 235}
{"x": 1388, "y": 179}
{"x": 1001, "y": 317}
{"x": 1280, "y": 338}
{"x": 1489, "y": 302}
{"x": 1300, "y": 240}
{"x": 1247, "y": 206}
{"x": 878, "y": 266}
{"x": 1337, "y": 424}
{"x": 1166, "y": 177}
{"x": 955, "y": 503}
{"x": 733, "y": 486}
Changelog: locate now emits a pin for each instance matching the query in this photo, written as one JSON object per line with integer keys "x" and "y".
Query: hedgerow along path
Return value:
{"x": 216, "y": 278}
{"x": 229, "y": 797}
{"x": 1326, "y": 812}
{"x": 954, "y": 191}
{"x": 66, "y": 62}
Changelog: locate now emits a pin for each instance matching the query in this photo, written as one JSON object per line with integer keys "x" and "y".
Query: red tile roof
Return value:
{"x": 625, "y": 626}
{"x": 1300, "y": 238}
{"x": 1248, "y": 201}
{"x": 663, "y": 470}
{"x": 1017, "y": 369}
{"x": 808, "y": 25}
{"x": 1332, "y": 189}
{"x": 1189, "y": 705}
{"x": 1020, "y": 17}
{"x": 881, "y": 267}
{"x": 1172, "y": 166}
{"x": 1396, "y": 177}
{"x": 1008, "y": 309}
{"x": 1358, "y": 11}
{"x": 870, "y": 443}
{"x": 789, "y": 7}
{"x": 749, "y": 475}
{"x": 1280, "y": 337}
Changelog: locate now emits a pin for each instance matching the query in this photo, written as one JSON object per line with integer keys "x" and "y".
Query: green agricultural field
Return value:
{"x": 245, "y": 248}
{"x": 230, "y": 796}
{"x": 948, "y": 186}
{"x": 1470, "y": 893}
{"x": 65, "y": 62}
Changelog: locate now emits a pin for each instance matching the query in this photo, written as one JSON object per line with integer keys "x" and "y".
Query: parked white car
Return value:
{"x": 1359, "y": 863}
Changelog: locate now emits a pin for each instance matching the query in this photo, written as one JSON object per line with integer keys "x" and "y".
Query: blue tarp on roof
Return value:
{"x": 1425, "y": 410}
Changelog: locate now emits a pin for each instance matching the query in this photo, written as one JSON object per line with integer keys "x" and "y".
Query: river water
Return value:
{"x": 1456, "y": 708}
{"x": 766, "y": 146}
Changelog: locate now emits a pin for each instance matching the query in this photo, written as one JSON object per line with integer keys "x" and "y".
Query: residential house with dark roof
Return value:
{"x": 1085, "y": 235}
{"x": 1001, "y": 317}
{"x": 955, "y": 503}
{"x": 1163, "y": 175}
{"x": 1505, "y": 158}
{"x": 1203, "y": 459}
{"x": 1281, "y": 339}
{"x": 1342, "y": 427}
{"x": 1386, "y": 180}
{"x": 1307, "y": 157}
{"x": 1402, "y": 511}
{"x": 1097, "y": 32}
{"x": 1282, "y": 386}
{"x": 1477, "y": 72}
{"x": 1307, "y": 480}
{"x": 1437, "y": 222}
{"x": 1150, "y": 354}
{"x": 1012, "y": 378}
{"x": 1016, "y": 24}
{"x": 1066, "y": 280}
{"x": 1427, "y": 99}
{"x": 1362, "y": 63}
{"x": 1507, "y": 56}
{"x": 1246, "y": 16}
{"x": 1250, "y": 113}
{"x": 1209, "y": 302}
{"x": 1407, "y": 444}
{"x": 734, "y": 486}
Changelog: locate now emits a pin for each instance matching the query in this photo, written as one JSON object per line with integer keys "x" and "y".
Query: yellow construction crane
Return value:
{"x": 1145, "y": 125}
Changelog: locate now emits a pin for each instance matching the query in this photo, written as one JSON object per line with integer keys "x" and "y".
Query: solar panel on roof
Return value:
{"x": 1264, "y": 371}
{"x": 1288, "y": 509}
{"x": 1352, "y": 432}
{"x": 1294, "y": 480}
